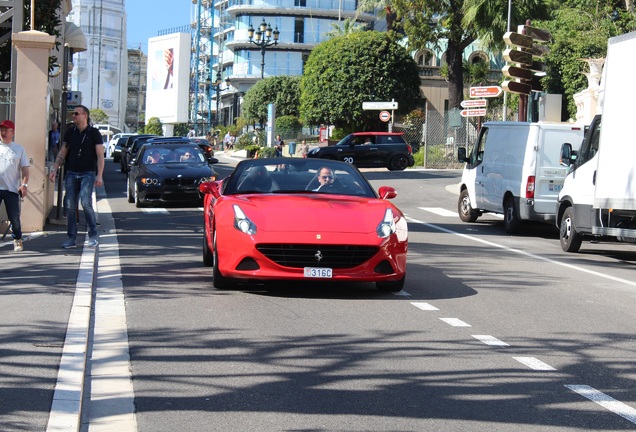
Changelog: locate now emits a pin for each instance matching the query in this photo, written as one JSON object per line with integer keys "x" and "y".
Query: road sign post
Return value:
{"x": 474, "y": 103}
{"x": 478, "y": 112}
{"x": 485, "y": 92}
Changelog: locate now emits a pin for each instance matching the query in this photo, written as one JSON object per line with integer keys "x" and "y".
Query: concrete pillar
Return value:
{"x": 31, "y": 113}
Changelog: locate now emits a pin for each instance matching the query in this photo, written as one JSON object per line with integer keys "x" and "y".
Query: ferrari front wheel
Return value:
{"x": 219, "y": 281}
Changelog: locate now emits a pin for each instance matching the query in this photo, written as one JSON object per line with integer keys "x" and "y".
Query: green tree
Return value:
{"x": 154, "y": 126}
{"x": 458, "y": 24}
{"x": 345, "y": 71}
{"x": 384, "y": 8}
{"x": 280, "y": 90}
{"x": 288, "y": 126}
{"x": 349, "y": 25}
{"x": 47, "y": 19}
{"x": 98, "y": 116}
{"x": 580, "y": 29}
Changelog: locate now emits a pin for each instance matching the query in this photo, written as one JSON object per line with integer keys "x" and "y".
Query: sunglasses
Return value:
{"x": 326, "y": 177}
{"x": 77, "y": 113}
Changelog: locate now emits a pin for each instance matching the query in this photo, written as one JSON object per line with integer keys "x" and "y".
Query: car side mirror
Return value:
{"x": 461, "y": 154}
{"x": 212, "y": 160}
{"x": 210, "y": 188}
{"x": 387, "y": 192}
{"x": 567, "y": 156}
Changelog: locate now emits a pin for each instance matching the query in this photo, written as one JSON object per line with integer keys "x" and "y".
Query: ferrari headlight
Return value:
{"x": 242, "y": 222}
{"x": 387, "y": 226}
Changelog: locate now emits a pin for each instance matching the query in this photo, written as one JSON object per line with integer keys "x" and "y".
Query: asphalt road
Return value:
{"x": 491, "y": 332}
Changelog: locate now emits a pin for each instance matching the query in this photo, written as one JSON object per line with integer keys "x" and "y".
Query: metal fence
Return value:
{"x": 437, "y": 136}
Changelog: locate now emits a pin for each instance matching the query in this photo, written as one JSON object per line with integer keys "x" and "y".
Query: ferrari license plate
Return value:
{"x": 318, "y": 272}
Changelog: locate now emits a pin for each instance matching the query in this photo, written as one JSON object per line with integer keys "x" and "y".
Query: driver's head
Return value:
{"x": 258, "y": 172}
{"x": 326, "y": 176}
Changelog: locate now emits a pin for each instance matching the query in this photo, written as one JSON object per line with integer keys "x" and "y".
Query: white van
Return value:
{"x": 514, "y": 170}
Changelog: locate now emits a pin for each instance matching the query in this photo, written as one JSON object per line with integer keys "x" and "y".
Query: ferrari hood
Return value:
{"x": 313, "y": 213}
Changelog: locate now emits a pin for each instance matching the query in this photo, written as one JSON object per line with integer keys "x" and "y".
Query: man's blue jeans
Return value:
{"x": 12, "y": 204}
{"x": 79, "y": 188}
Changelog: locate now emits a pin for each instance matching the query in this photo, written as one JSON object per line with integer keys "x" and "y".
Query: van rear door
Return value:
{"x": 549, "y": 173}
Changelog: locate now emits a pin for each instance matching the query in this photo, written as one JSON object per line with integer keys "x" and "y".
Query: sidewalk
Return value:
{"x": 46, "y": 297}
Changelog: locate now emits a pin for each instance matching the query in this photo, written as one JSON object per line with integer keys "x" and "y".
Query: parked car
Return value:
{"x": 133, "y": 145}
{"x": 109, "y": 147}
{"x": 273, "y": 219}
{"x": 370, "y": 149}
{"x": 514, "y": 170}
{"x": 168, "y": 172}
{"x": 116, "y": 152}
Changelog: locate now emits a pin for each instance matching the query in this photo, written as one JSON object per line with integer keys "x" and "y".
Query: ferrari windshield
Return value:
{"x": 297, "y": 175}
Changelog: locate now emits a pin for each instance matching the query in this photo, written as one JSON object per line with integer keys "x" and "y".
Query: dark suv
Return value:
{"x": 370, "y": 149}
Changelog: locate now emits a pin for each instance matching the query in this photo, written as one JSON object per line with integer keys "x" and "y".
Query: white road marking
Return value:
{"x": 424, "y": 306}
{"x": 439, "y": 211}
{"x": 111, "y": 400}
{"x": 528, "y": 254}
{"x": 455, "y": 322}
{"x": 490, "y": 340}
{"x": 534, "y": 363}
{"x": 605, "y": 401}
{"x": 155, "y": 210}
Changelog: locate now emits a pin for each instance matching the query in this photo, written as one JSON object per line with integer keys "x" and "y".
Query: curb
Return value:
{"x": 66, "y": 409}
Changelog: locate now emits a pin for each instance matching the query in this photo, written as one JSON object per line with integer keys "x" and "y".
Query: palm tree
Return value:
{"x": 459, "y": 23}
{"x": 384, "y": 7}
{"x": 349, "y": 25}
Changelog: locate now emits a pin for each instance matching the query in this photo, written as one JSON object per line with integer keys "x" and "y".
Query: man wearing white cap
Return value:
{"x": 14, "y": 179}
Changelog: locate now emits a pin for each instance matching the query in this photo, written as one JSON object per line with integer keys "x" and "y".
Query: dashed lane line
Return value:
{"x": 534, "y": 363}
{"x": 490, "y": 340}
{"x": 455, "y": 322}
{"x": 605, "y": 401}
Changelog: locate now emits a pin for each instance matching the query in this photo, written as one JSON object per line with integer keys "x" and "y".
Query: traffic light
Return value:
{"x": 522, "y": 58}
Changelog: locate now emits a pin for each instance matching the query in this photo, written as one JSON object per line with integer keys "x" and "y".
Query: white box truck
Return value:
{"x": 598, "y": 199}
{"x": 514, "y": 170}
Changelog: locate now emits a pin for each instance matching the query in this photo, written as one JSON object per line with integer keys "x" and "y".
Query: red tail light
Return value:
{"x": 408, "y": 146}
{"x": 530, "y": 187}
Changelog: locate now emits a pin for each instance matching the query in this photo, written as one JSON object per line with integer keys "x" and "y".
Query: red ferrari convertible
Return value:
{"x": 302, "y": 219}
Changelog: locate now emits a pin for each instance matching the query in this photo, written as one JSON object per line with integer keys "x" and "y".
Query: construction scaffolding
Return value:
{"x": 201, "y": 65}
{"x": 136, "y": 98}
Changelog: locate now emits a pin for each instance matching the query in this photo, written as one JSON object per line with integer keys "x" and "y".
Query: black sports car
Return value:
{"x": 168, "y": 173}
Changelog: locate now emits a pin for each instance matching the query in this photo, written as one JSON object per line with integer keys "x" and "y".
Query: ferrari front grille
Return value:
{"x": 331, "y": 256}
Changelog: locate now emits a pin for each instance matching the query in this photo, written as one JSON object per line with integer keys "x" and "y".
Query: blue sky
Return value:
{"x": 146, "y": 19}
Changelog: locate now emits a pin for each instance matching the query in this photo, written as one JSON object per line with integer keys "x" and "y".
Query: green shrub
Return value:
{"x": 266, "y": 152}
{"x": 419, "y": 157}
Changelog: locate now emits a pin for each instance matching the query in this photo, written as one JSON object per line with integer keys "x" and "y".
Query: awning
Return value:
{"x": 74, "y": 37}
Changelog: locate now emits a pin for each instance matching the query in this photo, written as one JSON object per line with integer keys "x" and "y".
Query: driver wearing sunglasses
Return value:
{"x": 326, "y": 176}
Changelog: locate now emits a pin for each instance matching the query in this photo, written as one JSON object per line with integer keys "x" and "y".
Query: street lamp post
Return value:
{"x": 263, "y": 40}
{"x": 218, "y": 90}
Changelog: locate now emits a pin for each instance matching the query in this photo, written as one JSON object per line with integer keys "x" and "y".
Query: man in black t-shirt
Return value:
{"x": 83, "y": 153}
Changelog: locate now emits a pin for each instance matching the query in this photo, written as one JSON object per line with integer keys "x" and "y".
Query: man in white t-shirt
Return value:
{"x": 14, "y": 179}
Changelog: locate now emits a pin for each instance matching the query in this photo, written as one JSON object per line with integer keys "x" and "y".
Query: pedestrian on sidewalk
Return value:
{"x": 14, "y": 179}
{"x": 82, "y": 152}
{"x": 54, "y": 141}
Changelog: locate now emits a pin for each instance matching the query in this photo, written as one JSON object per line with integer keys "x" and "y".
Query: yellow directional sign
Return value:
{"x": 516, "y": 72}
{"x": 537, "y": 34}
{"x": 516, "y": 56}
{"x": 516, "y": 87}
{"x": 516, "y": 39}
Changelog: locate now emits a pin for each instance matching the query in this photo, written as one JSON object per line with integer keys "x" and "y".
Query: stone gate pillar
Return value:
{"x": 33, "y": 49}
